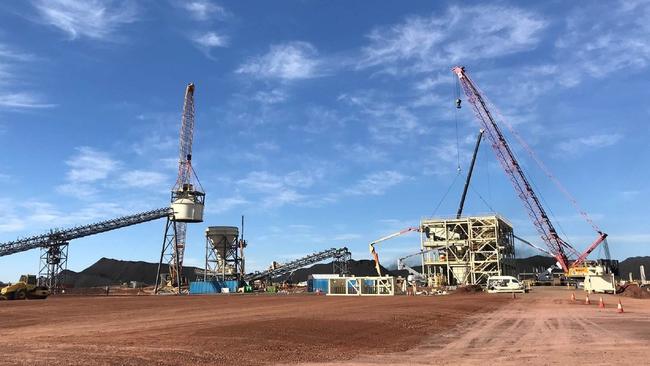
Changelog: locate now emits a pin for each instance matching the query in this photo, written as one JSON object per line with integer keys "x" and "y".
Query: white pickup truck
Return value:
{"x": 496, "y": 284}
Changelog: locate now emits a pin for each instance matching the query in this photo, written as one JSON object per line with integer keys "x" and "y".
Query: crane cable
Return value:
{"x": 446, "y": 193}
{"x": 540, "y": 164}
{"x": 458, "y": 101}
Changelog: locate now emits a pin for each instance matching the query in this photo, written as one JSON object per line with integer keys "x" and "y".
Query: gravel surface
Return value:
{"x": 543, "y": 327}
{"x": 235, "y": 329}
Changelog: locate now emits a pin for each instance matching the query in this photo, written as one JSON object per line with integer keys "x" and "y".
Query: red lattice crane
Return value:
{"x": 560, "y": 249}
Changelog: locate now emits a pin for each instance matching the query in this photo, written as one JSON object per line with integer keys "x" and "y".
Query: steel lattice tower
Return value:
{"x": 186, "y": 201}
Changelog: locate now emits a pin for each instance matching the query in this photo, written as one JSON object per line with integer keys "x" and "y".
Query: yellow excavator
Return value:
{"x": 26, "y": 288}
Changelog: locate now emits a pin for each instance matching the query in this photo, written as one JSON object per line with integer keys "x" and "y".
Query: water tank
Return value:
{"x": 187, "y": 209}
{"x": 222, "y": 237}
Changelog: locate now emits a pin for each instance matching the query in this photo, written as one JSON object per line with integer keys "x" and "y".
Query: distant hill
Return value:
{"x": 112, "y": 272}
{"x": 631, "y": 265}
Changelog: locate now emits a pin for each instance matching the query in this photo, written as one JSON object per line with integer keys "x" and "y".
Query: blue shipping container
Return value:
{"x": 212, "y": 287}
{"x": 318, "y": 284}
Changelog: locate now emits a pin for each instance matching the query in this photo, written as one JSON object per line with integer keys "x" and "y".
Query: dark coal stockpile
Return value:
{"x": 631, "y": 265}
{"x": 536, "y": 263}
{"x": 112, "y": 272}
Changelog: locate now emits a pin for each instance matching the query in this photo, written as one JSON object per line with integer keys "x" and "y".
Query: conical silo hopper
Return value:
{"x": 222, "y": 238}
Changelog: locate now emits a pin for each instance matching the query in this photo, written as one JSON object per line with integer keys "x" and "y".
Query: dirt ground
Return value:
{"x": 215, "y": 330}
{"x": 543, "y": 327}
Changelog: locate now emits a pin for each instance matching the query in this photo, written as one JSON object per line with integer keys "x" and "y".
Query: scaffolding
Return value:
{"x": 361, "y": 286}
{"x": 467, "y": 250}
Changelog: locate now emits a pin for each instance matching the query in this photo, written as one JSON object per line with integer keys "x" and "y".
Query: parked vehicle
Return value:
{"x": 496, "y": 284}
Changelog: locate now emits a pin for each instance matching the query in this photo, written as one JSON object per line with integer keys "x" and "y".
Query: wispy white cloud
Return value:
{"x": 297, "y": 187}
{"x": 23, "y": 100}
{"x": 11, "y": 97}
{"x": 587, "y": 143}
{"x": 596, "y": 41}
{"x": 225, "y": 204}
{"x": 273, "y": 96}
{"x": 91, "y": 172}
{"x": 203, "y": 10}
{"x": 389, "y": 121}
{"x": 377, "y": 183}
{"x": 604, "y": 39}
{"x": 143, "y": 179}
{"x": 426, "y": 43}
{"x": 210, "y": 40}
{"x": 362, "y": 153}
{"x": 41, "y": 215}
{"x": 95, "y": 19}
{"x": 288, "y": 61}
{"x": 90, "y": 165}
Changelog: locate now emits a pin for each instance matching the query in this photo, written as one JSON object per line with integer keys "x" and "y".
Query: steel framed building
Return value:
{"x": 467, "y": 250}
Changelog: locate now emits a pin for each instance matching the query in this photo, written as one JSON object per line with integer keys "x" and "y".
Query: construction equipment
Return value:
{"x": 401, "y": 264}
{"x": 26, "y": 288}
{"x": 558, "y": 247}
{"x": 341, "y": 256}
{"x": 373, "y": 252}
{"x": 459, "y": 213}
{"x": 55, "y": 243}
{"x": 187, "y": 202}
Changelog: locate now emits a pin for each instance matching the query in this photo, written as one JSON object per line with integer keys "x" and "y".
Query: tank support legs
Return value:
{"x": 169, "y": 254}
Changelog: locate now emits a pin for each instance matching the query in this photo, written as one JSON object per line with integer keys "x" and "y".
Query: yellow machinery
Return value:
{"x": 25, "y": 288}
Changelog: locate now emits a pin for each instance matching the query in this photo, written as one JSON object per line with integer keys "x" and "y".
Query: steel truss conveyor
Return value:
{"x": 55, "y": 243}
{"x": 341, "y": 256}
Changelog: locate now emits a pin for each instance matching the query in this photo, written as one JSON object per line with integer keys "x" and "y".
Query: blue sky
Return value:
{"x": 325, "y": 123}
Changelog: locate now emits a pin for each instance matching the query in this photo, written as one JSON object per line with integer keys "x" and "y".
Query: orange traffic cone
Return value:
{"x": 573, "y": 296}
{"x": 620, "y": 306}
{"x": 601, "y": 303}
{"x": 587, "y": 302}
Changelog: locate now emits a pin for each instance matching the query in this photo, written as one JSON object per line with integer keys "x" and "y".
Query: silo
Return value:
{"x": 224, "y": 253}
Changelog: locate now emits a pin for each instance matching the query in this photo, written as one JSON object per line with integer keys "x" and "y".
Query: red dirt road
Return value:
{"x": 540, "y": 328}
{"x": 235, "y": 330}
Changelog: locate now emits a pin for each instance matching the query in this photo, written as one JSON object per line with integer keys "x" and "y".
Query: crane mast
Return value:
{"x": 187, "y": 201}
{"x": 184, "y": 176}
{"x": 557, "y": 246}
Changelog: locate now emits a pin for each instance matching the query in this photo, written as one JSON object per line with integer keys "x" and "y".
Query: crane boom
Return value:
{"x": 373, "y": 252}
{"x": 557, "y": 246}
{"x": 459, "y": 213}
{"x": 184, "y": 179}
{"x": 186, "y": 139}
